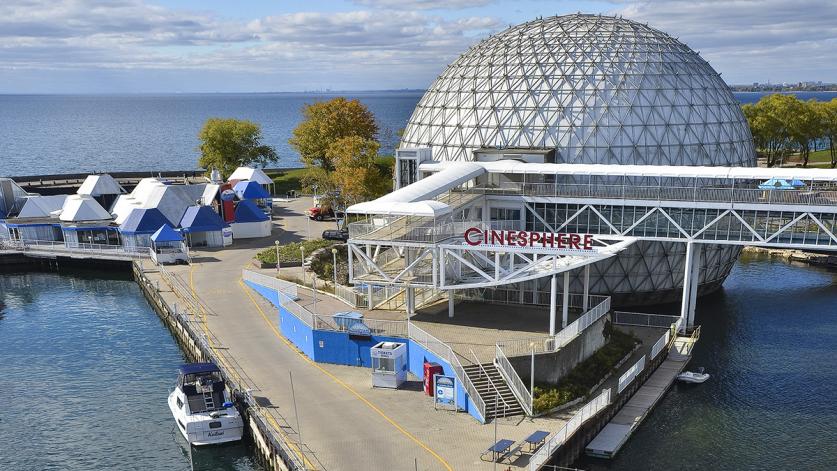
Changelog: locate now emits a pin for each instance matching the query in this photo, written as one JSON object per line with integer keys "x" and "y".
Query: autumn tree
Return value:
{"x": 227, "y": 144}
{"x": 324, "y": 123}
{"x": 356, "y": 174}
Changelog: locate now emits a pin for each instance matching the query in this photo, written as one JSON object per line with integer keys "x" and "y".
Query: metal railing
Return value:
{"x": 383, "y": 327}
{"x": 641, "y": 319}
{"x": 660, "y": 344}
{"x": 515, "y": 383}
{"x": 628, "y": 376}
{"x": 493, "y": 387}
{"x": 559, "y": 438}
{"x": 826, "y": 196}
{"x": 54, "y": 246}
{"x": 348, "y": 294}
{"x": 443, "y": 351}
{"x": 285, "y": 287}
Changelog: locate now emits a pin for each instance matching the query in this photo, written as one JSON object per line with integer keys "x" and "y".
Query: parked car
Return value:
{"x": 320, "y": 213}
{"x": 336, "y": 234}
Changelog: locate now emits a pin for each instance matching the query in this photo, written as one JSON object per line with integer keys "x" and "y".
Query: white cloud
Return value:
{"x": 751, "y": 40}
{"x": 424, "y": 4}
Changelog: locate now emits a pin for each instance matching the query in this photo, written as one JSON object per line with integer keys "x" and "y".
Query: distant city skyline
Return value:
{"x": 177, "y": 46}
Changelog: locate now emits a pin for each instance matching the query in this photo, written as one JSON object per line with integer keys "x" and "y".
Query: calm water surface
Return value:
{"x": 85, "y": 368}
{"x": 769, "y": 340}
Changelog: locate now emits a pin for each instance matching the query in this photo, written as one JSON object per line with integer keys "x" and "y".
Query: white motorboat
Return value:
{"x": 202, "y": 406}
{"x": 693, "y": 377}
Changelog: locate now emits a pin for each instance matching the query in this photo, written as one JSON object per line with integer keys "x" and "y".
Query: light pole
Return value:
{"x": 302, "y": 262}
{"x": 334, "y": 264}
{"x": 314, "y": 290}
{"x": 278, "y": 265}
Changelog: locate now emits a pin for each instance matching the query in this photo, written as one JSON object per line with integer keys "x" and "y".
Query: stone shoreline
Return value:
{"x": 794, "y": 255}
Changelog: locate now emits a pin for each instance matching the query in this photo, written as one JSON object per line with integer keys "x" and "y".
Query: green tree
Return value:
{"x": 805, "y": 125}
{"x": 227, "y": 144}
{"x": 356, "y": 174}
{"x": 770, "y": 123}
{"x": 828, "y": 111}
{"x": 324, "y": 123}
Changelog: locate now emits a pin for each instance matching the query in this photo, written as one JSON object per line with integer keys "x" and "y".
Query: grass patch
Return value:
{"x": 287, "y": 180}
{"x": 587, "y": 373}
{"x": 290, "y": 253}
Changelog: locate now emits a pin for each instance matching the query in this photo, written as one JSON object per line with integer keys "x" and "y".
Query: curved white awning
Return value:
{"x": 430, "y": 208}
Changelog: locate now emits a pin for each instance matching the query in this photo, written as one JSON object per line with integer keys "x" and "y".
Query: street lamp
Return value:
{"x": 302, "y": 263}
{"x": 277, "y": 258}
{"x": 334, "y": 264}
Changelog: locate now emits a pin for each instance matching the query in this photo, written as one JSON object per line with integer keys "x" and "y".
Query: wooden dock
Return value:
{"x": 617, "y": 432}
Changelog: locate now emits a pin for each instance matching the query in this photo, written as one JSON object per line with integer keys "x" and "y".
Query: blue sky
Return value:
{"x": 135, "y": 46}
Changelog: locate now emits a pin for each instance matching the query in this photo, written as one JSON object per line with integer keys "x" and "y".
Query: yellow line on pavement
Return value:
{"x": 341, "y": 383}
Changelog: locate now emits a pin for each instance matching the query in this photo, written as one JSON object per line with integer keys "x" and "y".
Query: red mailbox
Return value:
{"x": 431, "y": 369}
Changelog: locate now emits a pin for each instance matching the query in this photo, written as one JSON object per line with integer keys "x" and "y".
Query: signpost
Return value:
{"x": 445, "y": 391}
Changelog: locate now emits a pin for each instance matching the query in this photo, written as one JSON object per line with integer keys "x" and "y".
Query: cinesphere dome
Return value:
{"x": 596, "y": 89}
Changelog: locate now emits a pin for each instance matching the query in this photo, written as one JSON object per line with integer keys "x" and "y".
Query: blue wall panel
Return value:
{"x": 417, "y": 355}
{"x": 297, "y": 332}
{"x": 338, "y": 348}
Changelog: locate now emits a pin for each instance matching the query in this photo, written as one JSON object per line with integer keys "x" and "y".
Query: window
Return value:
{"x": 179, "y": 403}
{"x": 505, "y": 214}
{"x": 408, "y": 172}
{"x": 215, "y": 425}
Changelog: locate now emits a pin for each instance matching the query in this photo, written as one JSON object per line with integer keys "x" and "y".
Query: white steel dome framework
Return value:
{"x": 596, "y": 90}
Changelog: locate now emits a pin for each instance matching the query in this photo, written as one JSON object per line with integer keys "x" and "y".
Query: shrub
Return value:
{"x": 323, "y": 264}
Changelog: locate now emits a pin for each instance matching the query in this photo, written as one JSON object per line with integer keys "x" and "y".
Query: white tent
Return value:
{"x": 252, "y": 174}
{"x": 39, "y": 206}
{"x": 79, "y": 208}
{"x": 97, "y": 185}
{"x": 171, "y": 200}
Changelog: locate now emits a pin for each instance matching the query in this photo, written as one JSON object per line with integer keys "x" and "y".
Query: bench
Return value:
{"x": 536, "y": 439}
{"x": 498, "y": 451}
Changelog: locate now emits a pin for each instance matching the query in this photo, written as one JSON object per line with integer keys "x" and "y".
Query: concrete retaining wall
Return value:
{"x": 551, "y": 367}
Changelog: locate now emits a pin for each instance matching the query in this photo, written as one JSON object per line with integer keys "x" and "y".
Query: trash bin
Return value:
{"x": 431, "y": 369}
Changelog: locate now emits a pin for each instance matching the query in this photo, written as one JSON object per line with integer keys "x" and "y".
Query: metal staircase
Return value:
{"x": 493, "y": 390}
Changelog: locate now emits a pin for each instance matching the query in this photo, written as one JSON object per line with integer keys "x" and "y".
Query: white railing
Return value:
{"x": 54, "y": 246}
{"x": 544, "y": 453}
{"x": 641, "y": 319}
{"x": 443, "y": 351}
{"x": 547, "y": 344}
{"x": 387, "y": 328}
{"x": 281, "y": 286}
{"x": 520, "y": 391}
{"x": 628, "y": 377}
{"x": 348, "y": 294}
{"x": 660, "y": 344}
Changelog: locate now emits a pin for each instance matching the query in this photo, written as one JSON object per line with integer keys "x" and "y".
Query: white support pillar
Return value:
{"x": 696, "y": 260}
{"x": 411, "y": 300}
{"x": 553, "y": 303}
{"x": 450, "y": 303}
{"x": 687, "y": 285}
{"x": 586, "y": 301}
{"x": 565, "y": 308}
{"x": 351, "y": 266}
{"x": 496, "y": 265}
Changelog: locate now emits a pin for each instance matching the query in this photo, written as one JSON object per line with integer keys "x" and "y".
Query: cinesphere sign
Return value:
{"x": 475, "y": 236}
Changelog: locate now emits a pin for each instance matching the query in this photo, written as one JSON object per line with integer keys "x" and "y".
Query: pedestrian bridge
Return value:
{"x": 484, "y": 224}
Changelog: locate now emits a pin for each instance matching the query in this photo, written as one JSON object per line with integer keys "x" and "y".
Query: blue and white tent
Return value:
{"x": 167, "y": 246}
{"x": 140, "y": 224}
{"x": 781, "y": 184}
{"x": 202, "y": 226}
{"x": 250, "y": 221}
{"x": 250, "y": 190}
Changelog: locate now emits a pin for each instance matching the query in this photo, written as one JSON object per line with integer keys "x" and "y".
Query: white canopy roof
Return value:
{"x": 79, "y": 208}
{"x": 96, "y": 185}
{"x": 171, "y": 200}
{"x": 744, "y": 173}
{"x": 39, "y": 206}
{"x": 252, "y": 174}
{"x": 417, "y": 199}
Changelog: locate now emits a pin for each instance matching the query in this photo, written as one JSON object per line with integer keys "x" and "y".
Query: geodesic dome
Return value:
{"x": 596, "y": 89}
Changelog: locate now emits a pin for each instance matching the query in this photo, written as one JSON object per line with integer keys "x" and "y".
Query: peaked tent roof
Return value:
{"x": 247, "y": 211}
{"x": 166, "y": 234}
{"x": 252, "y": 174}
{"x": 143, "y": 221}
{"x": 78, "y": 208}
{"x": 250, "y": 190}
{"x": 201, "y": 219}
{"x": 41, "y": 206}
{"x": 95, "y": 185}
{"x": 171, "y": 200}
{"x": 781, "y": 184}
{"x": 209, "y": 193}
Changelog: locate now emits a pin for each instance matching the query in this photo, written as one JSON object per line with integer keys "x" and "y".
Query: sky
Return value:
{"x": 178, "y": 46}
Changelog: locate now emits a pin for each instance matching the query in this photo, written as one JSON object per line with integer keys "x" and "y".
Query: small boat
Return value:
{"x": 202, "y": 406}
{"x": 693, "y": 377}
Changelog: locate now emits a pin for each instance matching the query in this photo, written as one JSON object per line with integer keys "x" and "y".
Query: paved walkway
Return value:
{"x": 346, "y": 423}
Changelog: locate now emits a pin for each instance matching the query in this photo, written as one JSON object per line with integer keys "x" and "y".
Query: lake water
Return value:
{"x": 46, "y": 134}
{"x": 769, "y": 340}
{"x": 86, "y": 367}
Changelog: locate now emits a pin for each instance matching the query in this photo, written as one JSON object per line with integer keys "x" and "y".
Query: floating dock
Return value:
{"x": 617, "y": 432}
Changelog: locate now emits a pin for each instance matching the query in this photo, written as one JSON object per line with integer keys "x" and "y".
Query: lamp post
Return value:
{"x": 302, "y": 263}
{"x": 278, "y": 266}
{"x": 334, "y": 264}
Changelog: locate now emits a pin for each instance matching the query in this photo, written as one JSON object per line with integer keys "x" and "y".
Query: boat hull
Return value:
{"x": 207, "y": 428}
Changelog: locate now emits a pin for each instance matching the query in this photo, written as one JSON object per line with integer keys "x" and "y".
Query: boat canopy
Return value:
{"x": 195, "y": 368}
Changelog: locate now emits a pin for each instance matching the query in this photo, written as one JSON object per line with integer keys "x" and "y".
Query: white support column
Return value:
{"x": 553, "y": 303}
{"x": 565, "y": 309}
{"x": 411, "y": 300}
{"x": 497, "y": 265}
{"x": 687, "y": 285}
{"x": 696, "y": 260}
{"x": 351, "y": 265}
{"x": 586, "y": 302}
{"x": 450, "y": 303}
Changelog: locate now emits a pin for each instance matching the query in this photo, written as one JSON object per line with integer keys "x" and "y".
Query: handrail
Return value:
{"x": 450, "y": 356}
{"x": 78, "y": 248}
{"x": 523, "y": 395}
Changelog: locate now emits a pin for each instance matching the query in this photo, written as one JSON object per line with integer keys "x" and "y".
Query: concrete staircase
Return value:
{"x": 489, "y": 382}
